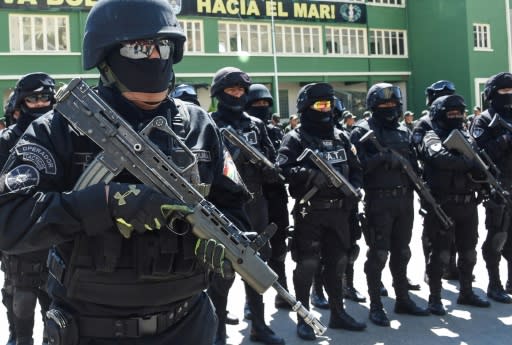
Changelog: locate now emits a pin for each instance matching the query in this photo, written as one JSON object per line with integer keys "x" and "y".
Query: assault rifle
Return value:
{"x": 456, "y": 141}
{"x": 335, "y": 178}
{"x": 254, "y": 156}
{"x": 418, "y": 183}
{"x": 124, "y": 148}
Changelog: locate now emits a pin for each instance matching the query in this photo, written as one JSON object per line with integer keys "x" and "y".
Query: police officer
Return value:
{"x": 321, "y": 234}
{"x": 496, "y": 141}
{"x": 448, "y": 175}
{"x": 388, "y": 199}
{"x": 186, "y": 93}
{"x": 259, "y": 104}
{"x": 230, "y": 87}
{"x": 25, "y": 274}
{"x": 117, "y": 273}
{"x": 424, "y": 124}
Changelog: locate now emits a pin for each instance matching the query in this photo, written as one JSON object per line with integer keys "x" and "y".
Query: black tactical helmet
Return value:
{"x": 444, "y": 104}
{"x": 9, "y": 105}
{"x": 382, "y": 93}
{"x": 438, "y": 89}
{"x": 257, "y": 92}
{"x": 33, "y": 83}
{"x": 498, "y": 81}
{"x": 229, "y": 76}
{"x": 113, "y": 21}
{"x": 313, "y": 92}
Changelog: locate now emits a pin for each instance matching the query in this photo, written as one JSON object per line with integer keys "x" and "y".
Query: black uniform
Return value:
{"x": 106, "y": 283}
{"x": 321, "y": 232}
{"x": 388, "y": 205}
{"x": 497, "y": 220}
{"x": 449, "y": 176}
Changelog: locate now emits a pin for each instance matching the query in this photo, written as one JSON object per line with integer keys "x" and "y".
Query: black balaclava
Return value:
{"x": 442, "y": 105}
{"x": 232, "y": 103}
{"x": 262, "y": 113}
{"x": 388, "y": 117}
{"x": 27, "y": 115}
{"x": 318, "y": 123}
{"x": 141, "y": 75}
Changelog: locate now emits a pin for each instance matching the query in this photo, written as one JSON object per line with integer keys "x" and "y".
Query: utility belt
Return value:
{"x": 23, "y": 272}
{"x": 387, "y": 193}
{"x": 459, "y": 198}
{"x": 325, "y": 203}
{"x": 67, "y": 329}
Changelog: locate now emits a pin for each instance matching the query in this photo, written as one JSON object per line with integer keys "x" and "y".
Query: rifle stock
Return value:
{"x": 124, "y": 148}
{"x": 418, "y": 183}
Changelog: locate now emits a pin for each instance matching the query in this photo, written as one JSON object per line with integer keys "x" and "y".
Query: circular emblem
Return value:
{"x": 22, "y": 177}
{"x": 350, "y": 12}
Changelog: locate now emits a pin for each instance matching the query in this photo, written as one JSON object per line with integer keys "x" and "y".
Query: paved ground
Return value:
{"x": 462, "y": 325}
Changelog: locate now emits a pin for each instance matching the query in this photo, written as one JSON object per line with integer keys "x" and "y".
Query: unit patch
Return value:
{"x": 203, "y": 155}
{"x": 39, "y": 156}
{"x": 251, "y": 137}
{"x": 336, "y": 156}
{"x": 22, "y": 177}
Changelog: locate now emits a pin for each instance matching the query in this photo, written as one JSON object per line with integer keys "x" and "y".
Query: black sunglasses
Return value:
{"x": 40, "y": 97}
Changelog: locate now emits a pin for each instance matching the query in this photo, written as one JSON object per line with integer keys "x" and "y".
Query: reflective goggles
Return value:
{"x": 443, "y": 85}
{"x": 142, "y": 49}
{"x": 321, "y": 105}
{"x": 392, "y": 93}
{"x": 181, "y": 90}
{"x": 38, "y": 97}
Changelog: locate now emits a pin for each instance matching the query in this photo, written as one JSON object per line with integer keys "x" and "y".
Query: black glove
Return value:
{"x": 140, "y": 208}
{"x": 211, "y": 254}
{"x": 270, "y": 175}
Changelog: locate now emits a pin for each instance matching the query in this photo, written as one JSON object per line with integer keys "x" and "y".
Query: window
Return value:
{"x": 194, "y": 32}
{"x": 482, "y": 36}
{"x": 398, "y": 3}
{"x": 38, "y": 33}
{"x": 388, "y": 43}
{"x": 295, "y": 39}
{"x": 346, "y": 41}
{"x": 244, "y": 37}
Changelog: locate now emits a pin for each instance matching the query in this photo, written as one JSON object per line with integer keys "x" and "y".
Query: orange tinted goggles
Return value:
{"x": 322, "y": 106}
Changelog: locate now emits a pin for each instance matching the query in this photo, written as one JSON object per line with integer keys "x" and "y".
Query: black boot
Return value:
{"x": 231, "y": 319}
{"x": 383, "y": 290}
{"x": 435, "y": 306}
{"x": 305, "y": 331}
{"x": 412, "y": 286}
{"x": 317, "y": 295}
{"x": 378, "y": 315}
{"x": 349, "y": 291}
{"x": 407, "y": 306}
{"x": 340, "y": 319}
{"x": 470, "y": 298}
{"x": 496, "y": 292}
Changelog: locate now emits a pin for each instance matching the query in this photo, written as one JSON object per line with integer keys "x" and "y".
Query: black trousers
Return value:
{"x": 389, "y": 230}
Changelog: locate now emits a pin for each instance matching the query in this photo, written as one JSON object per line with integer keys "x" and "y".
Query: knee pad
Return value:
{"x": 469, "y": 257}
{"x": 444, "y": 257}
{"x": 382, "y": 257}
{"x": 353, "y": 254}
{"x": 24, "y": 303}
{"x": 498, "y": 241}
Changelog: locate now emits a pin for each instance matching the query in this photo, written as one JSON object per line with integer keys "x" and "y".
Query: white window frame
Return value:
{"x": 334, "y": 35}
{"x": 386, "y": 3}
{"x": 262, "y": 28}
{"x": 17, "y": 44}
{"x": 386, "y": 42}
{"x": 484, "y": 36}
{"x": 280, "y": 29}
{"x": 196, "y": 28}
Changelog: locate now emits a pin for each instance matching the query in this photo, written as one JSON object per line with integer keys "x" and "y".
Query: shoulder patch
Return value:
{"x": 476, "y": 131}
{"x": 436, "y": 147}
{"x": 251, "y": 137}
{"x": 22, "y": 177}
{"x": 281, "y": 159}
{"x": 39, "y": 156}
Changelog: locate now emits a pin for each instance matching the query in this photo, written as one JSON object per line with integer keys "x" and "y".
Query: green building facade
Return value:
{"x": 288, "y": 43}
